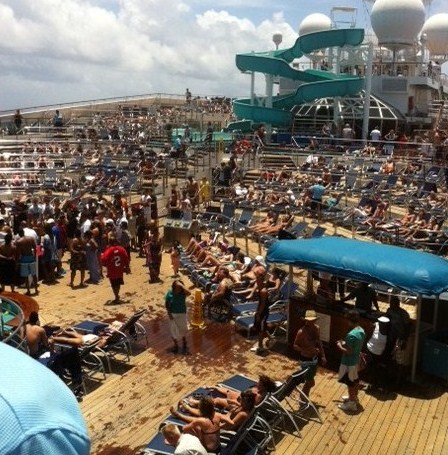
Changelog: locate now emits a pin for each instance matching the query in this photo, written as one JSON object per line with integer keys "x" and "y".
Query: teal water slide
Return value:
{"x": 315, "y": 83}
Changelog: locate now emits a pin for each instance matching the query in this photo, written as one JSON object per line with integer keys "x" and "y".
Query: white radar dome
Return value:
{"x": 316, "y": 22}
{"x": 425, "y": 2}
{"x": 436, "y": 29}
{"x": 397, "y": 23}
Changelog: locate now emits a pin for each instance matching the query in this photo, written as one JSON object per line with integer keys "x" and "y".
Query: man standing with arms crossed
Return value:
{"x": 116, "y": 260}
{"x": 26, "y": 253}
{"x": 310, "y": 349}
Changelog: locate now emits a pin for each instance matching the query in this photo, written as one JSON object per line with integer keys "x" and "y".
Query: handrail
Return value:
{"x": 91, "y": 103}
{"x": 13, "y": 338}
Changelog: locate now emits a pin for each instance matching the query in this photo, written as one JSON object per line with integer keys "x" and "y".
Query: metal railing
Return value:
{"x": 12, "y": 320}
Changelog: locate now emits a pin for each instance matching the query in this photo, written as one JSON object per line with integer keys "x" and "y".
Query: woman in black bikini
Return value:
{"x": 238, "y": 412}
{"x": 231, "y": 398}
{"x": 207, "y": 427}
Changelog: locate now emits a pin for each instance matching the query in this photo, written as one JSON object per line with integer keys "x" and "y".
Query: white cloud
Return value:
{"x": 53, "y": 51}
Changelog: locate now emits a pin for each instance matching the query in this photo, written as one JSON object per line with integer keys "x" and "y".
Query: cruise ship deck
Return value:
{"x": 124, "y": 411}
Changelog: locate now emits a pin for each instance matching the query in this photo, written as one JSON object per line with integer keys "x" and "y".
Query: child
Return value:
{"x": 175, "y": 258}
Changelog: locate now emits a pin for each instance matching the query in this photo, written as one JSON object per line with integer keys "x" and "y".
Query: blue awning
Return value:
{"x": 410, "y": 270}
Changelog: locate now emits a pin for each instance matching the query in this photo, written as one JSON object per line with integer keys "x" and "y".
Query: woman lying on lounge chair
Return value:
{"x": 283, "y": 222}
{"x": 206, "y": 427}
{"x": 237, "y": 415}
{"x": 428, "y": 233}
{"x": 73, "y": 338}
{"x": 232, "y": 398}
{"x": 273, "y": 284}
{"x": 269, "y": 220}
{"x": 234, "y": 262}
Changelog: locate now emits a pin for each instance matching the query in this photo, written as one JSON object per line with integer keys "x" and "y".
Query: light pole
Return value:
{"x": 277, "y": 38}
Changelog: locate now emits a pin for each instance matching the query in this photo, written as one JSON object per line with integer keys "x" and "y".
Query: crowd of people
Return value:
{"x": 38, "y": 235}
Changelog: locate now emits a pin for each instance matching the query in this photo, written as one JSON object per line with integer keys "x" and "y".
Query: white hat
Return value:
{"x": 50, "y": 221}
{"x": 260, "y": 260}
{"x": 110, "y": 221}
{"x": 383, "y": 319}
{"x": 310, "y": 315}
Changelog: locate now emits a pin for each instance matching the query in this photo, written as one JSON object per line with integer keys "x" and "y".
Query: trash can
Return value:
{"x": 434, "y": 355}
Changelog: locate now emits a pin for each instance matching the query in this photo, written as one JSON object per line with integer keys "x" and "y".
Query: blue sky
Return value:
{"x": 55, "y": 51}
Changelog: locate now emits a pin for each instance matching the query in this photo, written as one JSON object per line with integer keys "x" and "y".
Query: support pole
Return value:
{"x": 367, "y": 93}
{"x": 290, "y": 282}
{"x": 416, "y": 338}
{"x": 436, "y": 312}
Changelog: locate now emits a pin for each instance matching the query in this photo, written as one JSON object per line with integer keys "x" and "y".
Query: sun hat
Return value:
{"x": 260, "y": 260}
{"x": 310, "y": 315}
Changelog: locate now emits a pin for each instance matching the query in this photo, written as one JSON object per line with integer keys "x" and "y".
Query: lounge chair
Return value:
{"x": 132, "y": 328}
{"x": 276, "y": 317}
{"x": 117, "y": 345}
{"x": 289, "y": 391}
{"x": 120, "y": 336}
{"x": 92, "y": 368}
{"x": 254, "y": 433}
{"x": 274, "y": 413}
{"x": 247, "y": 308}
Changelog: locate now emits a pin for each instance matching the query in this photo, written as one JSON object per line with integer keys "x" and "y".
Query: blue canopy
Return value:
{"x": 410, "y": 270}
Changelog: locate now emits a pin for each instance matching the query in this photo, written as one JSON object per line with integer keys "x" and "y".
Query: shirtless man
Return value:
{"x": 35, "y": 336}
{"x": 192, "y": 188}
{"x": 26, "y": 250}
{"x": 224, "y": 288}
{"x": 309, "y": 346}
{"x": 217, "y": 301}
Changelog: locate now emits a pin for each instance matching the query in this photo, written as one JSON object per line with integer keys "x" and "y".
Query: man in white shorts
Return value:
{"x": 176, "y": 307}
{"x": 348, "y": 371}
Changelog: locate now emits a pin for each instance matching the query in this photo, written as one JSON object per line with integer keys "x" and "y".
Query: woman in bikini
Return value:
{"x": 231, "y": 397}
{"x": 206, "y": 427}
{"x": 237, "y": 415}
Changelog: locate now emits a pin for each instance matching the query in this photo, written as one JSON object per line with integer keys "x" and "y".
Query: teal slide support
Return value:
{"x": 316, "y": 83}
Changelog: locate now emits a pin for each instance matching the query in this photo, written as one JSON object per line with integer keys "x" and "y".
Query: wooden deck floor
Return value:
{"x": 124, "y": 411}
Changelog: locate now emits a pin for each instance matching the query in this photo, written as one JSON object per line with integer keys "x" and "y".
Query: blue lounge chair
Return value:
{"x": 247, "y": 308}
{"x": 276, "y": 317}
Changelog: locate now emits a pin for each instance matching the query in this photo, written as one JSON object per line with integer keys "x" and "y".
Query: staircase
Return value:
{"x": 275, "y": 161}
{"x": 438, "y": 111}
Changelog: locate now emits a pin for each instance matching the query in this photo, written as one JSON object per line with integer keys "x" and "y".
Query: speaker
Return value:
{"x": 179, "y": 230}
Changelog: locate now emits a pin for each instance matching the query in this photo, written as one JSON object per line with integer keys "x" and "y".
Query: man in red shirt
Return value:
{"x": 116, "y": 260}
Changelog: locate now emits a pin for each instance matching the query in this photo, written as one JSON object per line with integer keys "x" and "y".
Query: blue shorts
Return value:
{"x": 27, "y": 266}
